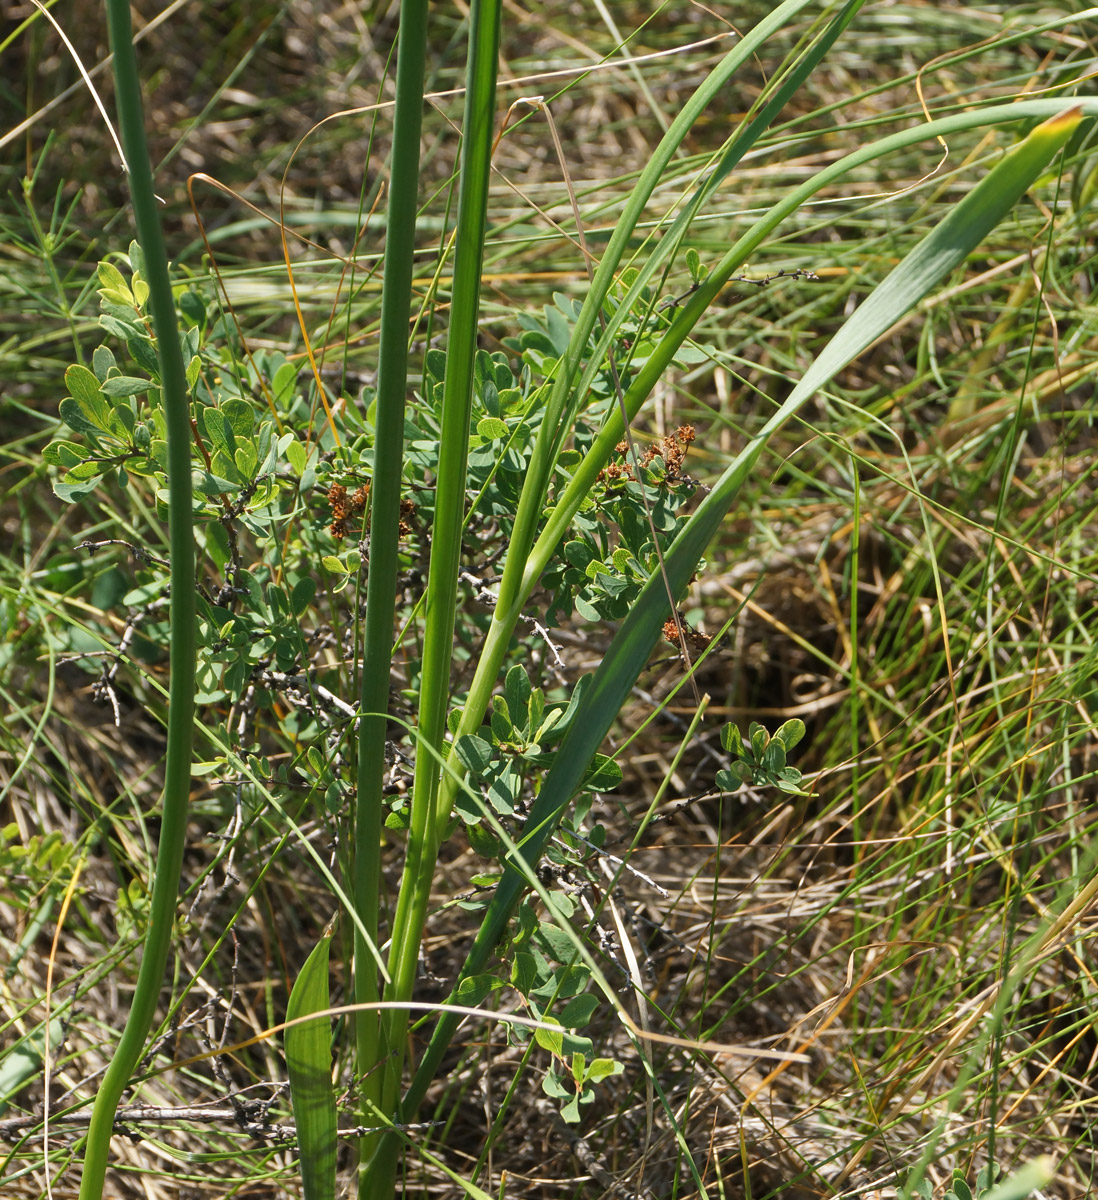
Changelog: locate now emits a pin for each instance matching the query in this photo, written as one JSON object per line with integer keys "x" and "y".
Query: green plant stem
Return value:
{"x": 173, "y": 822}
{"x": 423, "y": 838}
{"x": 381, "y": 589}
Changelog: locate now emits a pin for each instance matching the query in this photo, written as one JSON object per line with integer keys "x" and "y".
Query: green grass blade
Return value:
{"x": 392, "y": 388}
{"x": 177, "y": 778}
{"x": 741, "y": 142}
{"x": 450, "y": 491}
{"x": 442, "y": 585}
{"x": 944, "y": 248}
{"x": 23, "y": 1061}
{"x": 309, "y": 1063}
{"x": 653, "y": 370}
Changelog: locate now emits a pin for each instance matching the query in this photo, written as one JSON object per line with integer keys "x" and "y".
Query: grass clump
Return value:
{"x": 798, "y": 907}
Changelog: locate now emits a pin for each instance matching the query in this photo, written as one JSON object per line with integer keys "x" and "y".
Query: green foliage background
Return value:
{"x": 869, "y": 859}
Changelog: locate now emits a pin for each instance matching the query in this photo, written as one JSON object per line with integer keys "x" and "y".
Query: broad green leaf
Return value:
{"x": 553, "y": 1085}
{"x": 503, "y": 729}
{"x": 486, "y": 844}
{"x": 693, "y": 264}
{"x": 63, "y": 454}
{"x": 245, "y": 459}
{"x": 77, "y": 420}
{"x": 535, "y": 712}
{"x": 501, "y": 794}
{"x": 123, "y": 421}
{"x": 790, "y": 733}
{"x": 283, "y": 385}
{"x": 579, "y": 554}
{"x": 516, "y": 689}
{"x": 212, "y": 485}
{"x": 102, "y": 362}
{"x": 603, "y": 775}
{"x": 732, "y": 740}
{"x": 554, "y": 727}
{"x": 773, "y": 757}
{"x": 550, "y": 1039}
{"x": 524, "y": 971}
{"x": 143, "y": 352}
{"x": 240, "y": 416}
{"x": 303, "y": 594}
{"x": 218, "y": 430}
{"x": 492, "y": 429}
{"x": 474, "y": 753}
{"x": 125, "y": 385}
{"x": 113, "y": 280}
{"x": 474, "y": 990}
{"x": 295, "y": 456}
{"x": 198, "y": 769}
{"x": 602, "y": 1068}
{"x": 114, "y": 325}
{"x": 789, "y": 780}
{"x": 112, "y": 296}
{"x": 309, "y": 1063}
{"x": 578, "y": 1010}
{"x": 72, "y": 492}
{"x": 84, "y": 389}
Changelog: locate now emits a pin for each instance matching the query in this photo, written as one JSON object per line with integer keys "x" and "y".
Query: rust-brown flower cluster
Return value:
{"x": 672, "y": 449}
{"x": 697, "y": 639}
{"x": 407, "y": 508}
{"x": 345, "y": 508}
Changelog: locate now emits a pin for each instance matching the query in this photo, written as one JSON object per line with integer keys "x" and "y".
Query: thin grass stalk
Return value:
{"x": 981, "y": 210}
{"x": 381, "y": 587}
{"x": 177, "y": 770}
{"x": 442, "y": 584}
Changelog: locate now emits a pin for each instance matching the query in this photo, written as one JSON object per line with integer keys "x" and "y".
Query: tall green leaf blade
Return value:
{"x": 308, "y": 1060}
{"x": 938, "y": 253}
{"x": 426, "y": 825}
{"x": 943, "y": 249}
{"x": 385, "y": 518}
{"x": 23, "y": 1061}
